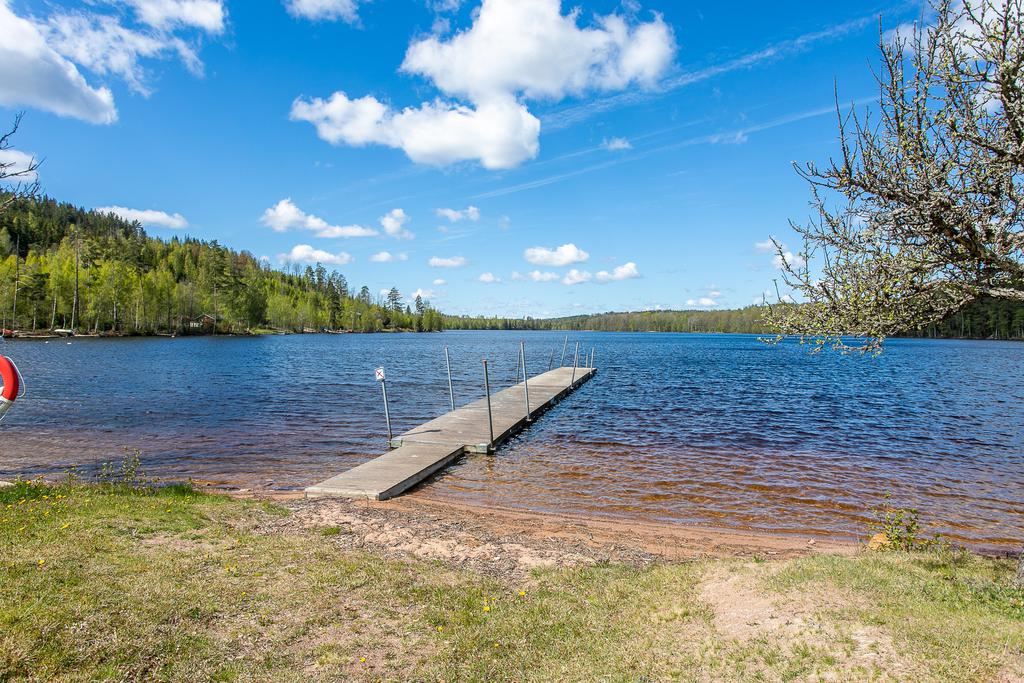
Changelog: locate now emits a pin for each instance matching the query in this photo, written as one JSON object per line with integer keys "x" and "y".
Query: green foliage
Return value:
{"x": 128, "y": 472}
{"x": 902, "y": 529}
{"x": 742, "y": 320}
{"x": 97, "y": 272}
{"x": 986, "y": 318}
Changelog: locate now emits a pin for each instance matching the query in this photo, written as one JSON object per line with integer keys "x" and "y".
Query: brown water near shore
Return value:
{"x": 709, "y": 432}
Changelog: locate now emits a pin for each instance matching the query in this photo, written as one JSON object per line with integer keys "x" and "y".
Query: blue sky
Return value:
{"x": 510, "y": 157}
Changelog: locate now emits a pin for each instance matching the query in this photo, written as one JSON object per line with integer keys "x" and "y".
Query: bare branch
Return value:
{"x": 922, "y": 211}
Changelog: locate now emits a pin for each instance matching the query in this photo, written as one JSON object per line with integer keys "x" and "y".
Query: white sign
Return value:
{"x": 379, "y": 374}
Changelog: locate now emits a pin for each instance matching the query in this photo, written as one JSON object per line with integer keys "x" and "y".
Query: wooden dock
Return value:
{"x": 420, "y": 452}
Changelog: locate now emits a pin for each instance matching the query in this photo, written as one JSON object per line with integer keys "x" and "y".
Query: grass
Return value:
{"x": 117, "y": 582}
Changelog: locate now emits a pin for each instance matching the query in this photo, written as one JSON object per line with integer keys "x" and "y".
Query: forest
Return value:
{"x": 982, "y": 319}
{"x": 67, "y": 268}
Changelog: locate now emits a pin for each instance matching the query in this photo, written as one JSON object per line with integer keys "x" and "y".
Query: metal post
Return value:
{"x": 551, "y": 359}
{"x": 387, "y": 413}
{"x": 591, "y": 358}
{"x": 451, "y": 392}
{"x": 526, "y": 381}
{"x": 490, "y": 420}
{"x": 561, "y": 363}
{"x": 575, "y": 364}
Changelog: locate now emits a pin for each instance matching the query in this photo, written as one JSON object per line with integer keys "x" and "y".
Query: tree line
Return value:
{"x": 744, "y": 320}
{"x": 64, "y": 267}
{"x": 986, "y": 318}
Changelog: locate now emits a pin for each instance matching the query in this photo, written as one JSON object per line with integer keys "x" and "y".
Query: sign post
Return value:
{"x": 382, "y": 378}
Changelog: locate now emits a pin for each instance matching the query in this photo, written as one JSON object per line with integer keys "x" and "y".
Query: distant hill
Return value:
{"x": 63, "y": 266}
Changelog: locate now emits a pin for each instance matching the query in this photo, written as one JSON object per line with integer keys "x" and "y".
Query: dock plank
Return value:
{"x": 424, "y": 450}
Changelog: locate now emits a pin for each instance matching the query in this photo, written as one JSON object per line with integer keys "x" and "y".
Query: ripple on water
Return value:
{"x": 696, "y": 429}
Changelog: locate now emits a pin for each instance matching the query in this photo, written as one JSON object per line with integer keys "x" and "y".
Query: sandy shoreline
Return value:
{"x": 501, "y": 541}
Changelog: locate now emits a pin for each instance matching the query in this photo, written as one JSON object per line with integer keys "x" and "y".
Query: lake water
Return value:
{"x": 718, "y": 430}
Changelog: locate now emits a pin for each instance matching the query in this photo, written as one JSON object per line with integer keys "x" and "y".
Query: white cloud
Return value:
{"x": 517, "y": 276}
{"x": 444, "y": 5}
{"x": 15, "y": 164}
{"x": 488, "y": 277}
{"x": 516, "y": 50}
{"x": 471, "y": 213}
{"x": 304, "y": 253}
{"x": 285, "y": 216}
{"x": 560, "y": 256}
{"x": 530, "y": 47}
{"x": 538, "y": 276}
{"x": 33, "y": 74}
{"x": 324, "y": 10}
{"x": 101, "y": 44}
{"x": 616, "y": 144}
{"x": 439, "y": 282}
{"x": 703, "y": 302}
{"x": 738, "y": 137}
{"x": 40, "y": 57}
{"x": 148, "y": 217}
{"x": 424, "y": 294}
{"x": 780, "y": 260}
{"x": 575, "y": 277}
{"x": 382, "y": 257}
{"x": 451, "y": 262}
{"x": 499, "y": 134}
{"x": 393, "y": 222}
{"x": 624, "y": 272}
{"x": 207, "y": 15}
{"x": 788, "y": 257}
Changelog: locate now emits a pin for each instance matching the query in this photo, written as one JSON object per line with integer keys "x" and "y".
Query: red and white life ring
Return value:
{"x": 13, "y": 386}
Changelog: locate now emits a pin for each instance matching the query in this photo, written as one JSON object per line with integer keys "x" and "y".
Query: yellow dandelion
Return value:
{"x": 362, "y": 659}
{"x": 42, "y": 562}
{"x": 487, "y": 608}
{"x": 496, "y": 645}
{"x": 522, "y": 594}
{"x": 440, "y": 628}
